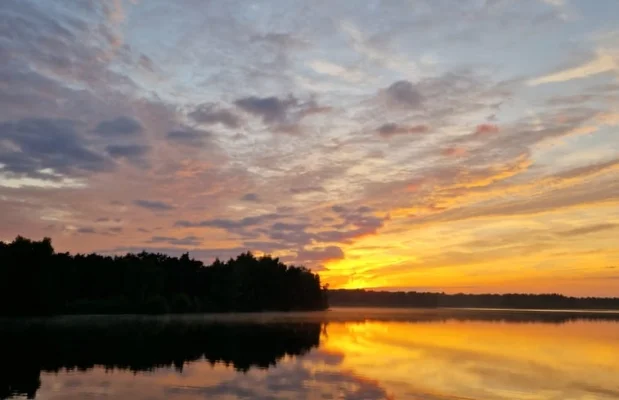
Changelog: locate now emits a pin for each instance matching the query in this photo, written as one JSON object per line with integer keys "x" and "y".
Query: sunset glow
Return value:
{"x": 458, "y": 360}
{"x": 434, "y": 145}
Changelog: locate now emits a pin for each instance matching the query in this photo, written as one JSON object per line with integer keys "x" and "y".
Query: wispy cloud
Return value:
{"x": 154, "y": 205}
{"x": 604, "y": 61}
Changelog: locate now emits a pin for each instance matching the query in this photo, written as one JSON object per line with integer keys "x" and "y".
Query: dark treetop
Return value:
{"x": 35, "y": 280}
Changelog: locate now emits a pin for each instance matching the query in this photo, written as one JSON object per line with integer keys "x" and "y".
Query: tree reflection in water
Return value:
{"x": 361, "y": 362}
{"x": 29, "y": 348}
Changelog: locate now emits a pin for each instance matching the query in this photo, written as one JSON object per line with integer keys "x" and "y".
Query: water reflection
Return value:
{"x": 483, "y": 360}
{"x": 349, "y": 354}
{"x": 141, "y": 345}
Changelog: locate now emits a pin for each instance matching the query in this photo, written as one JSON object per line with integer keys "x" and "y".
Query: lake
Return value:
{"x": 350, "y": 353}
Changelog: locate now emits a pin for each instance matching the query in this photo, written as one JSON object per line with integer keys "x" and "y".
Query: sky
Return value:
{"x": 435, "y": 145}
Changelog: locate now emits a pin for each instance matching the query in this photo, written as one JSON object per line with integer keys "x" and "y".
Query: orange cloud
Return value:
{"x": 487, "y": 129}
{"x": 454, "y": 152}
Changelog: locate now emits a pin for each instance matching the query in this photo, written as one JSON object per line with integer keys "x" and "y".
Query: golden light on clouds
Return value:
{"x": 418, "y": 150}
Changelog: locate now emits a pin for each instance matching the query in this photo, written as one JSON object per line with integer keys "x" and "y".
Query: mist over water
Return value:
{"x": 342, "y": 353}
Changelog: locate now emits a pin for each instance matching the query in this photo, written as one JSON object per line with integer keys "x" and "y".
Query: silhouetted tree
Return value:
{"x": 34, "y": 280}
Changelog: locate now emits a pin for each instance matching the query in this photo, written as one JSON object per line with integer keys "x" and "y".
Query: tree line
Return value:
{"x": 35, "y": 280}
{"x": 370, "y": 298}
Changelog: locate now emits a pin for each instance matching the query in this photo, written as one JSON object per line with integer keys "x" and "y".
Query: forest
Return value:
{"x": 371, "y": 298}
{"x": 35, "y": 280}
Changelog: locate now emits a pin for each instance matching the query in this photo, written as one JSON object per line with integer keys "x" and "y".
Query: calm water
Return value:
{"x": 340, "y": 354}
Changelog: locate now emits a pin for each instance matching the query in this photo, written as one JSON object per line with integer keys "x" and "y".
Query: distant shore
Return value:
{"x": 510, "y": 301}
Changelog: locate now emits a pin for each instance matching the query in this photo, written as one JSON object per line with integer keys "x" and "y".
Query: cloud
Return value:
{"x": 312, "y": 107}
{"x": 282, "y": 226}
{"x": 289, "y": 234}
{"x": 115, "y": 12}
{"x": 303, "y": 377}
{"x": 589, "y": 229}
{"x": 404, "y": 93}
{"x": 87, "y": 230}
{"x": 211, "y": 114}
{"x": 586, "y": 171}
{"x": 285, "y": 40}
{"x": 127, "y": 151}
{"x": 521, "y": 137}
{"x": 184, "y": 241}
{"x": 270, "y": 109}
{"x": 355, "y": 223}
{"x": 487, "y": 129}
{"x": 230, "y": 224}
{"x": 307, "y": 189}
{"x": 572, "y": 100}
{"x": 352, "y": 223}
{"x": 26, "y": 92}
{"x": 577, "y": 195}
{"x": 121, "y": 126}
{"x": 51, "y": 42}
{"x": 391, "y": 129}
{"x": 154, "y": 205}
{"x": 454, "y": 152}
{"x": 264, "y": 246}
{"x": 284, "y": 112}
{"x": 251, "y": 197}
{"x": 323, "y": 254}
{"x": 336, "y": 71}
{"x": 146, "y": 63}
{"x": 30, "y": 146}
{"x": 376, "y": 49}
{"x": 491, "y": 194}
{"x": 604, "y": 61}
{"x": 338, "y": 209}
{"x": 610, "y": 118}
{"x": 188, "y": 137}
{"x": 555, "y": 3}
